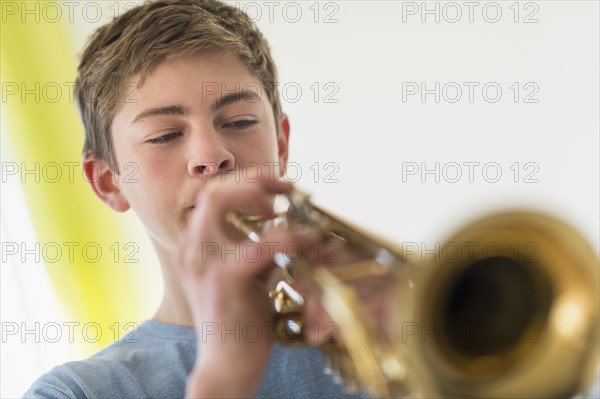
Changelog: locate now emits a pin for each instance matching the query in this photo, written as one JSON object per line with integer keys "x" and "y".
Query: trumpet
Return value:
{"x": 508, "y": 307}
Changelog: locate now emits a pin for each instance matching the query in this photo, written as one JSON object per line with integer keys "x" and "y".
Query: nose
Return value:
{"x": 209, "y": 155}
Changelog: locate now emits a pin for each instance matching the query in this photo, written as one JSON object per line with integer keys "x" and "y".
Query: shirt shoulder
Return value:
{"x": 154, "y": 360}
{"x": 58, "y": 383}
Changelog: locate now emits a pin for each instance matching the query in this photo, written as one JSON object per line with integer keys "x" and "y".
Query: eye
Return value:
{"x": 164, "y": 138}
{"x": 241, "y": 123}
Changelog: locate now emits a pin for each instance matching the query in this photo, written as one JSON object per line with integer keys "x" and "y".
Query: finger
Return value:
{"x": 252, "y": 198}
{"x": 232, "y": 193}
{"x": 275, "y": 243}
{"x": 208, "y": 232}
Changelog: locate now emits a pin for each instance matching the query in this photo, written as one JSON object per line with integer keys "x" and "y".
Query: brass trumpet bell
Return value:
{"x": 508, "y": 307}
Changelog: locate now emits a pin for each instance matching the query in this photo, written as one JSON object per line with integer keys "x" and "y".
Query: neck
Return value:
{"x": 174, "y": 308}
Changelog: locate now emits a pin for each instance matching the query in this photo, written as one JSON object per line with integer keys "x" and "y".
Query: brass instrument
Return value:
{"x": 508, "y": 307}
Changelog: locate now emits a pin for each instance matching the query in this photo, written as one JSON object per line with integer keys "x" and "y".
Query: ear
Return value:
{"x": 102, "y": 179}
{"x": 283, "y": 142}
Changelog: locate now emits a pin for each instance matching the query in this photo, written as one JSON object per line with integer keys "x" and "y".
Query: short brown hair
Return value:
{"x": 138, "y": 40}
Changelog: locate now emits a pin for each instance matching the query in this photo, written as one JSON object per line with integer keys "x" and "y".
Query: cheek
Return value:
{"x": 258, "y": 157}
{"x": 147, "y": 185}
{"x": 263, "y": 147}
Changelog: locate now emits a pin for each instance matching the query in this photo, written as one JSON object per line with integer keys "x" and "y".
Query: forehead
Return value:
{"x": 199, "y": 84}
{"x": 201, "y": 78}
{"x": 200, "y": 72}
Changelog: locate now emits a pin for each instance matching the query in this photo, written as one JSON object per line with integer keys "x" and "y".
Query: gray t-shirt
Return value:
{"x": 155, "y": 361}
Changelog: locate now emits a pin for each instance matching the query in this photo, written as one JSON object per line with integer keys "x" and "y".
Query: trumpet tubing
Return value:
{"x": 478, "y": 324}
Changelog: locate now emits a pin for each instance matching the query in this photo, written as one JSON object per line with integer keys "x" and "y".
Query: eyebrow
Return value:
{"x": 228, "y": 99}
{"x": 181, "y": 110}
{"x": 174, "y": 110}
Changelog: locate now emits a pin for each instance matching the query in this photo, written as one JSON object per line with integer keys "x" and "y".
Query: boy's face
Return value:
{"x": 193, "y": 119}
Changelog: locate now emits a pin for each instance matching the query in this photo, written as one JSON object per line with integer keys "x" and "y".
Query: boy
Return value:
{"x": 204, "y": 106}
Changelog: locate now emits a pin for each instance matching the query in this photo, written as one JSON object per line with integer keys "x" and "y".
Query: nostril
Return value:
{"x": 225, "y": 165}
{"x": 207, "y": 168}
{"x": 211, "y": 168}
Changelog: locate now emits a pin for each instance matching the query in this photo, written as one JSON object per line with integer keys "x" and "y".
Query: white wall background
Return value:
{"x": 373, "y": 50}
{"x": 364, "y": 132}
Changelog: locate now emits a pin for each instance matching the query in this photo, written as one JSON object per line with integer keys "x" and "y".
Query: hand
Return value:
{"x": 223, "y": 275}
{"x": 368, "y": 281}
